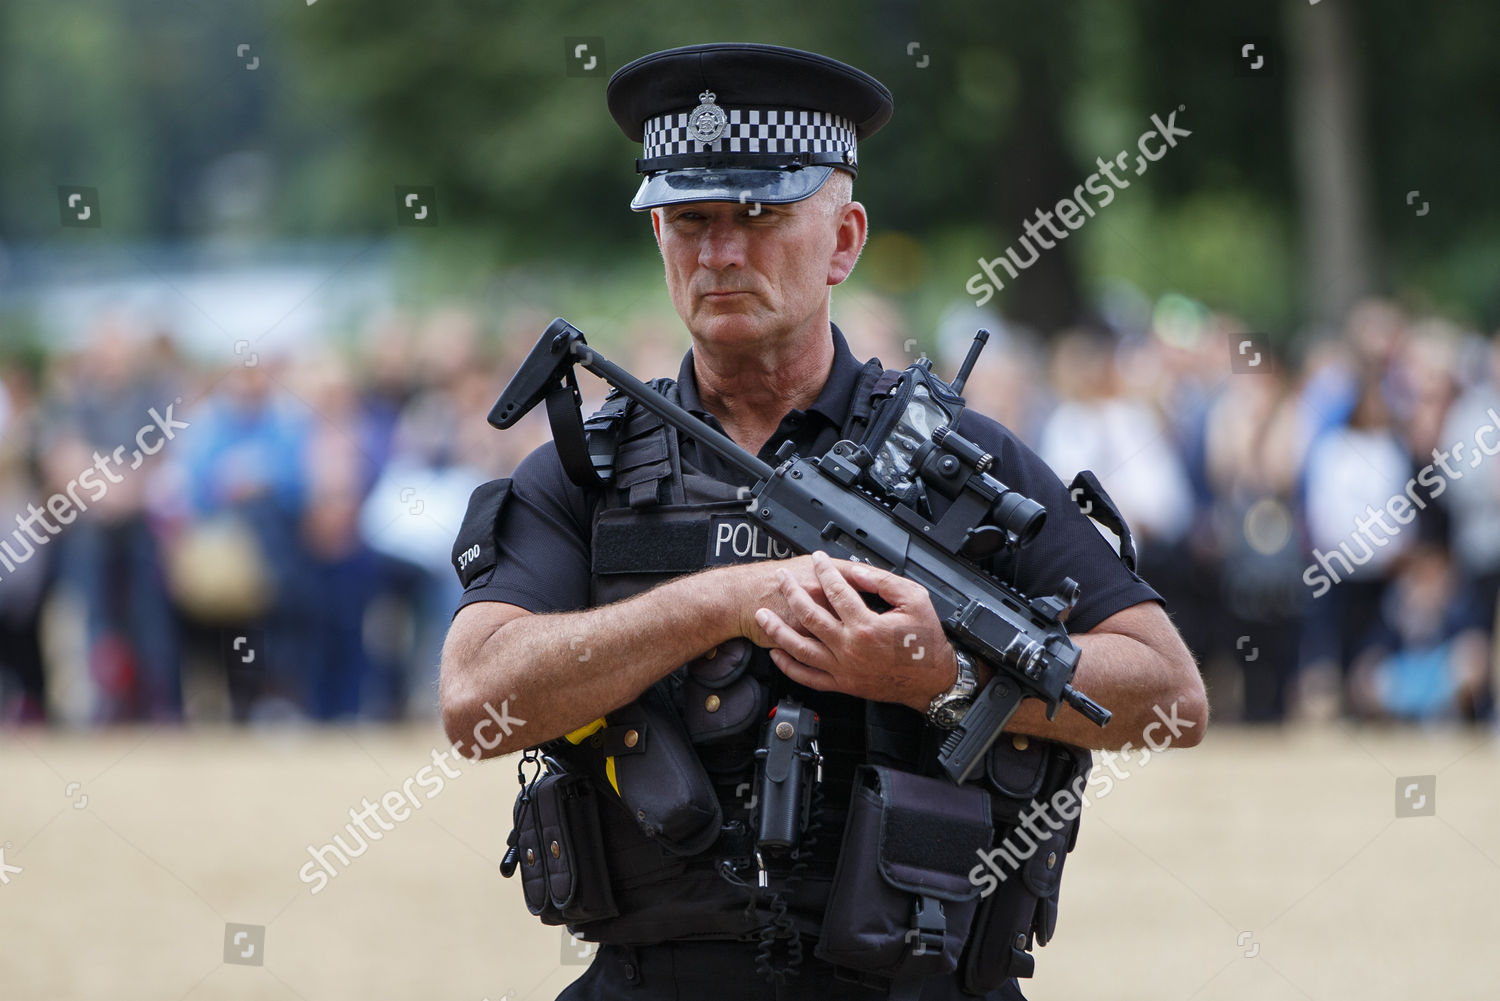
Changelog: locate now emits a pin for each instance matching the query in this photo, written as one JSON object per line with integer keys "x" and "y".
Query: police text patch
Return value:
{"x": 738, "y": 539}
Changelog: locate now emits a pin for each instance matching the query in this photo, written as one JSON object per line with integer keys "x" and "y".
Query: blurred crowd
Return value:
{"x": 276, "y": 546}
{"x": 284, "y": 556}
{"x": 1324, "y": 522}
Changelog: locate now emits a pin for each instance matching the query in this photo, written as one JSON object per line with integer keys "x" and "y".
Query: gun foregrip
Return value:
{"x": 964, "y": 749}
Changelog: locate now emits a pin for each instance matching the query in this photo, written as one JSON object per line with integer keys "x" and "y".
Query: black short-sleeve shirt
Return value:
{"x": 544, "y": 531}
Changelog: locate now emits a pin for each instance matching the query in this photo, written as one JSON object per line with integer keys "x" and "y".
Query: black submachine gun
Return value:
{"x": 857, "y": 502}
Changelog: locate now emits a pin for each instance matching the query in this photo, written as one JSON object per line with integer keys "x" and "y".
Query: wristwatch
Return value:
{"x": 946, "y": 710}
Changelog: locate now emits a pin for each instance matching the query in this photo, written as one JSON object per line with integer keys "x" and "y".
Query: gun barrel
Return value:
{"x": 1091, "y": 710}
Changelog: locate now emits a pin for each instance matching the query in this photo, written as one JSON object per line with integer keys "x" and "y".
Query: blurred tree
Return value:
{"x": 1002, "y": 107}
{"x": 1331, "y": 159}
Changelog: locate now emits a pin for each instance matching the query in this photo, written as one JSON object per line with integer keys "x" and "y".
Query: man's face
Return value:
{"x": 742, "y": 274}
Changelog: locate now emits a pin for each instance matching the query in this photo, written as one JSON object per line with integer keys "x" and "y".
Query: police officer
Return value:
{"x": 580, "y": 603}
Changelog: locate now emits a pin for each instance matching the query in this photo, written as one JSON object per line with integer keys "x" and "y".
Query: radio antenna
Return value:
{"x": 968, "y": 366}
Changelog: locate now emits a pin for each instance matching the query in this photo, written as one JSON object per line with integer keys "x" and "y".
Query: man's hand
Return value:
{"x": 827, "y": 638}
{"x": 758, "y": 585}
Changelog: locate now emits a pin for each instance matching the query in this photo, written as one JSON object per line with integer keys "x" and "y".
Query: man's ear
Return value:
{"x": 853, "y": 226}
{"x": 656, "y": 228}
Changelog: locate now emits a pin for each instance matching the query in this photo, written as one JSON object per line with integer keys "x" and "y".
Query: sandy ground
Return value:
{"x": 1262, "y": 865}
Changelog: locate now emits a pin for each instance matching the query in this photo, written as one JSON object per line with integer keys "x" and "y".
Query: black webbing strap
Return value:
{"x": 1088, "y": 493}
{"x": 893, "y": 734}
{"x": 614, "y": 436}
{"x": 567, "y": 432}
{"x": 647, "y": 454}
{"x": 644, "y": 494}
{"x": 887, "y": 379}
{"x": 603, "y": 431}
{"x": 872, "y": 384}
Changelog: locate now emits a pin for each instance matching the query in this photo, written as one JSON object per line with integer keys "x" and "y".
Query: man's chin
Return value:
{"x": 729, "y": 325}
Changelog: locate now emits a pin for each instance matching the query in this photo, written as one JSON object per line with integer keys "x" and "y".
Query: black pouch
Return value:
{"x": 1020, "y": 909}
{"x": 659, "y": 777}
{"x": 901, "y": 901}
{"x": 722, "y": 703}
{"x": 720, "y": 699}
{"x": 560, "y": 851}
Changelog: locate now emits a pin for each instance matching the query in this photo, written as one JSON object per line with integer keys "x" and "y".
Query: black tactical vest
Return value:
{"x": 658, "y": 518}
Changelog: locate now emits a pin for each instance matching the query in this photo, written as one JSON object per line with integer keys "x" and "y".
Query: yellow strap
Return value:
{"x": 581, "y": 734}
{"x": 587, "y": 730}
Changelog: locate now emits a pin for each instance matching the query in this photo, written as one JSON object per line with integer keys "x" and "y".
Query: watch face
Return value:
{"x": 950, "y": 715}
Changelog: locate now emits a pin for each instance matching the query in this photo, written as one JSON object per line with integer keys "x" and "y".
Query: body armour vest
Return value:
{"x": 658, "y": 518}
{"x": 681, "y": 873}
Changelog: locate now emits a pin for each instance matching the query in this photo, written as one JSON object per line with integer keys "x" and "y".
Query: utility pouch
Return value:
{"x": 721, "y": 700}
{"x": 787, "y": 770}
{"x": 901, "y": 902}
{"x": 643, "y": 753}
{"x": 559, "y": 850}
{"x": 1023, "y": 870}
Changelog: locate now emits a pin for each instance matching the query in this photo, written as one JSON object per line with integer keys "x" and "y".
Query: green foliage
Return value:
{"x": 152, "y": 102}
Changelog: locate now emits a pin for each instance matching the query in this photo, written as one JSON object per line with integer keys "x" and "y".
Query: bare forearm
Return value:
{"x": 561, "y": 671}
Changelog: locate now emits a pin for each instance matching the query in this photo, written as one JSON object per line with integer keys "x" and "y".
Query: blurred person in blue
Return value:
{"x": 1427, "y": 656}
{"x": 439, "y": 449}
{"x": 237, "y": 559}
{"x": 323, "y": 657}
{"x": 1351, "y": 469}
{"x": 111, "y": 555}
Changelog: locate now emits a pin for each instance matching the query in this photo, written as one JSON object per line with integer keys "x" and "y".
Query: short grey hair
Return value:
{"x": 837, "y": 191}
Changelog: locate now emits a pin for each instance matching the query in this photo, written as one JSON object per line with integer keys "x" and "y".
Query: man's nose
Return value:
{"x": 723, "y": 245}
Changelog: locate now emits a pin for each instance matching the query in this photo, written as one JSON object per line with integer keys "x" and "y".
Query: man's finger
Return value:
{"x": 803, "y": 674}
{"x": 893, "y": 589}
{"x": 804, "y": 648}
{"x": 843, "y": 599}
{"x": 816, "y": 619}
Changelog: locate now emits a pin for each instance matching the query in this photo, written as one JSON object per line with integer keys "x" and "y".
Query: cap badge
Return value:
{"x": 707, "y": 121}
